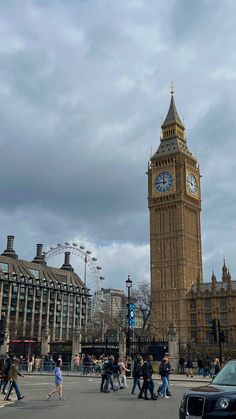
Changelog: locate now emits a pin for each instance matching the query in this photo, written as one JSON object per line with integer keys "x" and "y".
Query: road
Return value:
{"x": 83, "y": 400}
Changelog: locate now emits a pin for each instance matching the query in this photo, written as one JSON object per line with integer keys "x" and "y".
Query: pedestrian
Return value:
{"x": 109, "y": 369}
{"x": 137, "y": 373}
{"x": 76, "y": 362}
{"x": 207, "y": 367}
{"x": 181, "y": 365}
{"x": 37, "y": 364}
{"x": 148, "y": 383}
{"x": 116, "y": 373}
{"x": 169, "y": 369}
{"x": 164, "y": 372}
{"x": 123, "y": 371}
{"x": 216, "y": 364}
{"x": 12, "y": 377}
{"x": 2, "y": 377}
{"x": 129, "y": 363}
{"x": 87, "y": 362}
{"x": 103, "y": 372}
{"x": 189, "y": 366}
{"x": 200, "y": 367}
{"x": 30, "y": 363}
{"x": 6, "y": 369}
{"x": 51, "y": 364}
{"x": 58, "y": 382}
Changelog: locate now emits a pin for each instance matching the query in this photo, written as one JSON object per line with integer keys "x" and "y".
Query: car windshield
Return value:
{"x": 227, "y": 376}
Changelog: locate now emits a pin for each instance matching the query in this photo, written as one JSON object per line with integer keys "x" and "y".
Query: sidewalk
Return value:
{"x": 183, "y": 377}
{"x": 174, "y": 377}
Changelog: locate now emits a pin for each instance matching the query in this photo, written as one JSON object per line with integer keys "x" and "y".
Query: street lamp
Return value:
{"x": 128, "y": 283}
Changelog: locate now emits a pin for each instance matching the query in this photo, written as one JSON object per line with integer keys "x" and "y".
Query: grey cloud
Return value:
{"x": 83, "y": 87}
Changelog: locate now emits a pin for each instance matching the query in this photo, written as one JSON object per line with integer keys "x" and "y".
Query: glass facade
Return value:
{"x": 32, "y": 304}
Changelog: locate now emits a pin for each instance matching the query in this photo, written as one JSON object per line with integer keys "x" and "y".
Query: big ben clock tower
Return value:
{"x": 174, "y": 202}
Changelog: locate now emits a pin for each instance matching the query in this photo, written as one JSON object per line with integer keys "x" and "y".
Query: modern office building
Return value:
{"x": 40, "y": 301}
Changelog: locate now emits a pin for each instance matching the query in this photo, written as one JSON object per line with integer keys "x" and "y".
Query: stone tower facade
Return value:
{"x": 174, "y": 202}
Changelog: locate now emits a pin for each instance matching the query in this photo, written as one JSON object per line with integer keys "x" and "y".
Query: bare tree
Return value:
{"x": 142, "y": 298}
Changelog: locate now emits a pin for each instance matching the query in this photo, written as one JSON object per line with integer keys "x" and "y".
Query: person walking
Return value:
{"x": 137, "y": 373}
{"x": 109, "y": 369}
{"x": 123, "y": 371}
{"x": 30, "y": 363}
{"x": 58, "y": 382}
{"x": 148, "y": 383}
{"x": 164, "y": 372}
{"x": 116, "y": 373}
{"x": 200, "y": 367}
{"x": 103, "y": 372}
{"x": 2, "y": 377}
{"x": 181, "y": 365}
{"x": 12, "y": 377}
{"x": 37, "y": 364}
{"x": 216, "y": 365}
{"x": 76, "y": 362}
{"x": 6, "y": 369}
{"x": 168, "y": 369}
{"x": 189, "y": 366}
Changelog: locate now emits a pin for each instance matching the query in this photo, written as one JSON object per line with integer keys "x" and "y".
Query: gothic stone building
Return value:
{"x": 37, "y": 299}
{"x": 178, "y": 292}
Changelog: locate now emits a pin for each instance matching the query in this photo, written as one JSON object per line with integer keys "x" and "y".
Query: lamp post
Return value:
{"x": 128, "y": 283}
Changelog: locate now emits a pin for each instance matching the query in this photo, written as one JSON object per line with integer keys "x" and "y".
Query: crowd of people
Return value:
{"x": 205, "y": 366}
{"x": 112, "y": 369}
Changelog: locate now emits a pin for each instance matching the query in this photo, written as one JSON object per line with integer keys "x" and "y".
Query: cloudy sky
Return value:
{"x": 84, "y": 85}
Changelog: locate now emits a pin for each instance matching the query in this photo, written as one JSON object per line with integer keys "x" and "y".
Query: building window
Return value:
{"x": 193, "y": 304}
{"x": 193, "y": 319}
{"x": 208, "y": 304}
{"x": 34, "y": 272}
{"x": 223, "y": 304}
{"x": 207, "y": 318}
{"x": 4, "y": 267}
{"x": 223, "y": 318}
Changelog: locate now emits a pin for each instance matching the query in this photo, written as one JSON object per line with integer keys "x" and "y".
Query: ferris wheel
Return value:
{"x": 82, "y": 260}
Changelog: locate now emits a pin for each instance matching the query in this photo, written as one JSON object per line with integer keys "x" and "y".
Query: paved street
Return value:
{"x": 83, "y": 400}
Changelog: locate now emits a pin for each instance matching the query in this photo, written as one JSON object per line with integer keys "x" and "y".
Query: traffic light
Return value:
{"x": 214, "y": 329}
{"x": 2, "y": 329}
{"x": 222, "y": 336}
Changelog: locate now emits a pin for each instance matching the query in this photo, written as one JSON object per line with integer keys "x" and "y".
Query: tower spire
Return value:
{"x": 172, "y": 125}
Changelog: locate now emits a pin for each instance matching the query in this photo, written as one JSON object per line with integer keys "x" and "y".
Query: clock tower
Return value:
{"x": 174, "y": 202}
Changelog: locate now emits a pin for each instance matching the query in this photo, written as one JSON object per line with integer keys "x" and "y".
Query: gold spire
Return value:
{"x": 172, "y": 125}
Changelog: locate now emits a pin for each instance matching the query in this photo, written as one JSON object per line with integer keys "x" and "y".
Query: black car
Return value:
{"x": 216, "y": 400}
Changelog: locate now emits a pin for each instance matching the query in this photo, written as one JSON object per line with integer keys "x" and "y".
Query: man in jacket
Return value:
{"x": 12, "y": 377}
{"x": 148, "y": 383}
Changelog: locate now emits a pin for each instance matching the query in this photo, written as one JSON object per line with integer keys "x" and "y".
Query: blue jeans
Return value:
{"x": 164, "y": 386}
{"x": 16, "y": 388}
{"x": 136, "y": 383}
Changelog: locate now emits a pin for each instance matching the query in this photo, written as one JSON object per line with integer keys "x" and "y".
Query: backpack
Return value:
{"x": 144, "y": 370}
{"x": 106, "y": 367}
{"x": 137, "y": 371}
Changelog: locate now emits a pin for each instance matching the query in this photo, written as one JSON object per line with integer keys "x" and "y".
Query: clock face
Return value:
{"x": 163, "y": 181}
{"x": 191, "y": 183}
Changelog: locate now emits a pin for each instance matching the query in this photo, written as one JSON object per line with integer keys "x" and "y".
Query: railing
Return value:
{"x": 67, "y": 368}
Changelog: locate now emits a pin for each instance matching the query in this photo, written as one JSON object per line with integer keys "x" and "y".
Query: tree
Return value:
{"x": 142, "y": 298}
